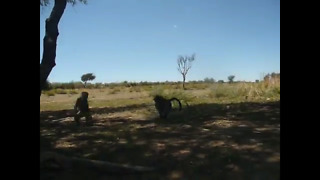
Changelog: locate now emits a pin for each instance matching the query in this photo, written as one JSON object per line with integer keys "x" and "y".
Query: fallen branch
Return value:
{"x": 54, "y": 161}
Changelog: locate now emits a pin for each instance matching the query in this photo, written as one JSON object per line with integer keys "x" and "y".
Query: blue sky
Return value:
{"x": 140, "y": 40}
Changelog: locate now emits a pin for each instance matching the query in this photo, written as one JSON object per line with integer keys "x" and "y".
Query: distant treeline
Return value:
{"x": 79, "y": 85}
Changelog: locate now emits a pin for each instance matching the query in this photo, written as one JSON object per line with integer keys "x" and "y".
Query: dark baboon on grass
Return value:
{"x": 82, "y": 109}
{"x": 164, "y": 106}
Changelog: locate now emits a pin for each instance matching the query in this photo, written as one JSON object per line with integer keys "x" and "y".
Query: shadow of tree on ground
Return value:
{"x": 239, "y": 141}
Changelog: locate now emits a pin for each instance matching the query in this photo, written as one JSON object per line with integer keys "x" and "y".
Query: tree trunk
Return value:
{"x": 50, "y": 41}
{"x": 183, "y": 82}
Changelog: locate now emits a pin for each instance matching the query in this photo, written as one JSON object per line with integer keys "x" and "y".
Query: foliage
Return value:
{"x": 87, "y": 77}
{"x": 209, "y": 80}
{"x": 231, "y": 78}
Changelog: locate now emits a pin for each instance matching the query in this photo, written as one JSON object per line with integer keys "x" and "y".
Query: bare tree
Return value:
{"x": 184, "y": 65}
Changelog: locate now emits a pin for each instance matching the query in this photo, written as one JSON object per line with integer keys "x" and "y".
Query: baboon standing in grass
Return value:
{"x": 82, "y": 109}
{"x": 164, "y": 106}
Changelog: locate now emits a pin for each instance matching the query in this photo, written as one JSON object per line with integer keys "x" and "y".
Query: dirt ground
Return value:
{"x": 239, "y": 141}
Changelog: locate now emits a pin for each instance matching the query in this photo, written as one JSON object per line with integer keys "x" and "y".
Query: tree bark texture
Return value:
{"x": 50, "y": 41}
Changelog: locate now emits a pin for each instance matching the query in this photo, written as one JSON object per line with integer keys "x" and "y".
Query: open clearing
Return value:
{"x": 211, "y": 139}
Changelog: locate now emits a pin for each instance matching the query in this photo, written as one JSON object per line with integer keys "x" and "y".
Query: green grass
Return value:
{"x": 72, "y": 91}
{"x": 212, "y": 93}
{"x": 118, "y": 103}
{"x": 115, "y": 90}
{"x": 49, "y": 93}
{"x": 253, "y": 91}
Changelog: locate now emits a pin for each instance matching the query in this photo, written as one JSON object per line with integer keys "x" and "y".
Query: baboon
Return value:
{"x": 164, "y": 106}
{"x": 82, "y": 109}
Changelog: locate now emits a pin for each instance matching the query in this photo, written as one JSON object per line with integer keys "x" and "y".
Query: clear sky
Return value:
{"x": 140, "y": 40}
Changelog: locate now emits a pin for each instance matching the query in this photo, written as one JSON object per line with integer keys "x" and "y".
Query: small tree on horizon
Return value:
{"x": 87, "y": 77}
{"x": 209, "y": 80}
{"x": 231, "y": 78}
{"x": 184, "y": 65}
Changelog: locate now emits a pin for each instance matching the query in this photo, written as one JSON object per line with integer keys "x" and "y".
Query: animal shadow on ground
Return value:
{"x": 239, "y": 141}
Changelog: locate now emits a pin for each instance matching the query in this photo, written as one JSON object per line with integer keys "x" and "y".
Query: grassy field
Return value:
{"x": 228, "y": 131}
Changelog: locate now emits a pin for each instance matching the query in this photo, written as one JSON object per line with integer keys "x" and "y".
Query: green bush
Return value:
{"x": 115, "y": 90}
{"x": 73, "y": 91}
{"x": 61, "y": 91}
{"x": 50, "y": 93}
